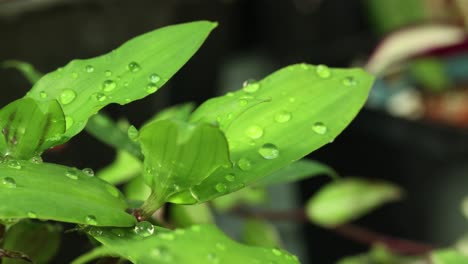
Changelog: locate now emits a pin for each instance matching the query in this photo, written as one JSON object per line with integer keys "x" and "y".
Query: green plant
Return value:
{"x": 217, "y": 156}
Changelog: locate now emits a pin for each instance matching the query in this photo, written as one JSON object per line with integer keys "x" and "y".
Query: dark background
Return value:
{"x": 426, "y": 159}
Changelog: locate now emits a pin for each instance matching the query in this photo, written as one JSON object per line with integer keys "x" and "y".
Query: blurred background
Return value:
{"x": 412, "y": 131}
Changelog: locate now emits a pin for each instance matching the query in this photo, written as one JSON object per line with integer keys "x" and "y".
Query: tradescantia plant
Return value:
{"x": 215, "y": 157}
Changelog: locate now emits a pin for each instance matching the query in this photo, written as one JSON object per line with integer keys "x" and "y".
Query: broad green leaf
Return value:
{"x": 136, "y": 69}
{"x": 27, "y": 130}
{"x": 280, "y": 119}
{"x": 179, "y": 112}
{"x": 49, "y": 191}
{"x": 347, "y": 199}
{"x": 250, "y": 195}
{"x": 137, "y": 189}
{"x": 124, "y": 168}
{"x": 260, "y": 233}
{"x": 188, "y": 215}
{"x": 106, "y": 130}
{"x": 198, "y": 244}
{"x": 297, "y": 171}
{"x": 179, "y": 155}
{"x": 29, "y": 237}
{"x": 448, "y": 256}
{"x": 25, "y": 68}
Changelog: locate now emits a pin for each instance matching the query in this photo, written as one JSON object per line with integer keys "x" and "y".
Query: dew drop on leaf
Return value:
{"x": 67, "y": 96}
{"x": 221, "y": 187}
{"x": 144, "y": 229}
{"x": 118, "y": 232}
{"x": 230, "y": 177}
{"x": 283, "y": 117}
{"x": 349, "y": 81}
{"x": 32, "y": 214}
{"x": 154, "y": 78}
{"x": 43, "y": 94}
{"x": 88, "y": 171}
{"x": 72, "y": 174}
{"x": 243, "y": 102}
{"x": 91, "y": 220}
{"x": 89, "y": 68}
{"x": 36, "y": 160}
{"x": 276, "y": 252}
{"x": 133, "y": 66}
{"x": 133, "y": 133}
{"x": 250, "y": 86}
{"x": 108, "y": 73}
{"x": 9, "y": 182}
{"x": 100, "y": 97}
{"x": 14, "y": 164}
{"x": 68, "y": 122}
{"x": 254, "y": 132}
{"x": 269, "y": 151}
{"x": 319, "y": 128}
{"x": 244, "y": 164}
{"x": 323, "y": 71}
{"x": 108, "y": 85}
{"x": 151, "y": 88}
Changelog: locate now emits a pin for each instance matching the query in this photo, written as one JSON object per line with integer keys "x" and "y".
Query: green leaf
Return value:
{"x": 250, "y": 195}
{"x": 133, "y": 71}
{"x": 379, "y": 254}
{"x": 106, "y": 130}
{"x": 280, "y": 119}
{"x": 260, "y": 233}
{"x": 25, "y": 68}
{"x": 178, "y": 112}
{"x": 448, "y": 256}
{"x": 137, "y": 189}
{"x": 199, "y": 244}
{"x": 188, "y": 215}
{"x": 124, "y": 168}
{"x": 49, "y": 191}
{"x": 347, "y": 199}
{"x": 297, "y": 171}
{"x": 179, "y": 155}
{"x": 27, "y": 130}
{"x": 28, "y": 237}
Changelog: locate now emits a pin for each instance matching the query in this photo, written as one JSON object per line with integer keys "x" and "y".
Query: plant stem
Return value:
{"x": 151, "y": 205}
{"x": 352, "y": 232}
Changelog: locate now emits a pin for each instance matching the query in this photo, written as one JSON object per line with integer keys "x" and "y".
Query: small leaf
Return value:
{"x": 260, "y": 233}
{"x": 49, "y": 191}
{"x": 27, "y": 130}
{"x": 178, "y": 156}
{"x": 124, "y": 168}
{"x": 198, "y": 244}
{"x": 448, "y": 256}
{"x": 347, "y": 199}
{"x": 280, "y": 119}
{"x": 297, "y": 171}
{"x": 137, "y": 189}
{"x": 188, "y": 215}
{"x": 25, "y": 68}
{"x": 29, "y": 237}
{"x": 133, "y": 71}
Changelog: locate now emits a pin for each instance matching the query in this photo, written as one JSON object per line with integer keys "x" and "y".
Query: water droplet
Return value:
{"x": 89, "y": 68}
{"x": 100, "y": 97}
{"x": 95, "y": 231}
{"x": 221, "y": 187}
{"x": 32, "y": 214}
{"x": 43, "y": 94}
{"x": 67, "y": 96}
{"x": 91, "y": 220}
{"x": 14, "y": 164}
{"x": 250, "y": 86}
{"x": 68, "y": 122}
{"x": 323, "y": 71}
{"x": 88, "y": 171}
{"x": 349, "y": 81}
{"x": 276, "y": 252}
{"x": 144, "y": 229}
{"x": 108, "y": 73}
{"x": 9, "y": 182}
{"x": 74, "y": 75}
{"x": 243, "y": 102}
{"x": 126, "y": 84}
{"x": 194, "y": 194}
{"x": 304, "y": 66}
{"x": 162, "y": 253}
{"x": 230, "y": 94}
{"x": 72, "y": 174}
{"x": 108, "y": 85}
{"x": 220, "y": 246}
{"x": 213, "y": 258}
{"x": 319, "y": 128}
{"x": 118, "y": 232}
{"x": 283, "y": 117}
{"x": 151, "y": 88}
{"x": 230, "y": 177}
{"x": 244, "y": 164}
{"x": 269, "y": 151}
{"x": 154, "y": 78}
{"x": 133, "y": 66}
{"x": 36, "y": 160}
{"x": 132, "y": 133}
{"x": 254, "y": 132}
